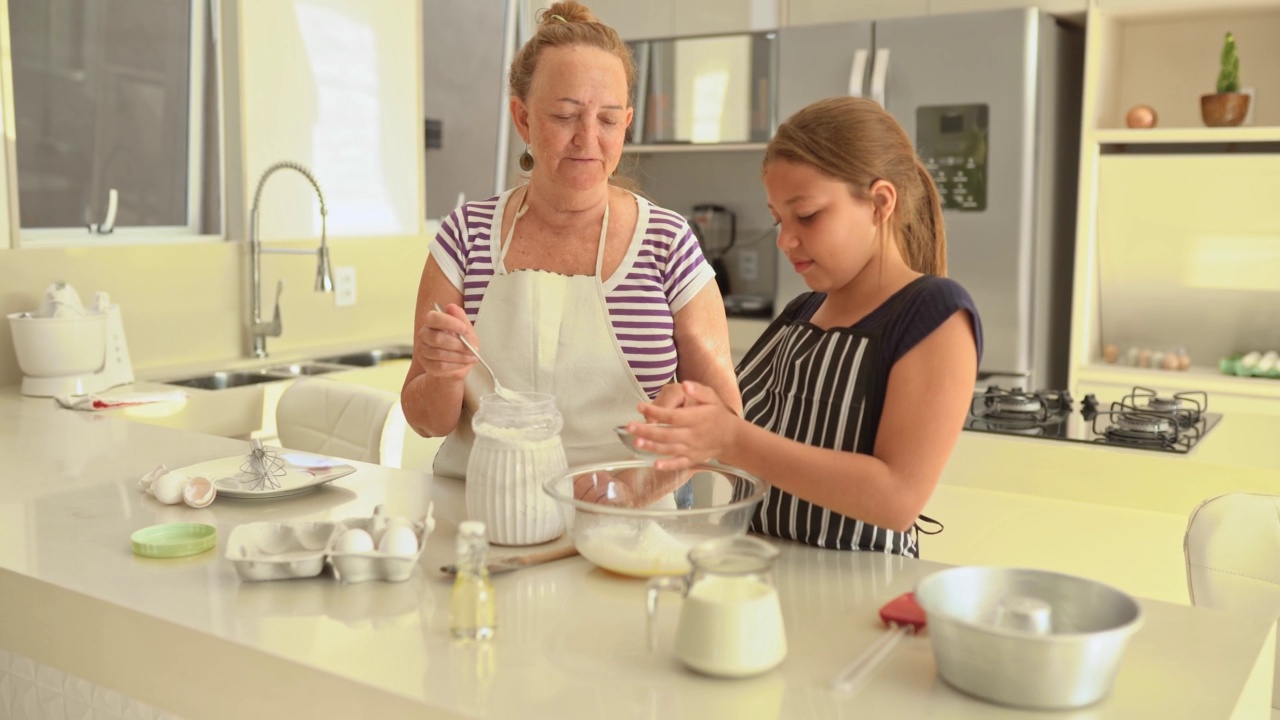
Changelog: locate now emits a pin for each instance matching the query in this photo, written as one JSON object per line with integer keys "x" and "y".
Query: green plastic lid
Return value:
{"x": 174, "y": 540}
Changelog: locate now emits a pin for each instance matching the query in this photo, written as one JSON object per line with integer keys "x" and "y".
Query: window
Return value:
{"x": 115, "y": 95}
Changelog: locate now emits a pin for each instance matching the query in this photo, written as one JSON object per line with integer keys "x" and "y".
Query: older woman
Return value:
{"x": 567, "y": 284}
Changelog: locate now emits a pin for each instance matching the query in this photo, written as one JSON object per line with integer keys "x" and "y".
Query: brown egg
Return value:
{"x": 1111, "y": 353}
{"x": 1184, "y": 362}
{"x": 1144, "y": 358}
{"x": 1141, "y": 116}
{"x": 1171, "y": 361}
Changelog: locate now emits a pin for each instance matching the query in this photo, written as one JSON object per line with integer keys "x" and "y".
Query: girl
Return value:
{"x": 855, "y": 395}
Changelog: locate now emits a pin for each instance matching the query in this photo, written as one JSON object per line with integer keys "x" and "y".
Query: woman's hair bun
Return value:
{"x": 574, "y": 12}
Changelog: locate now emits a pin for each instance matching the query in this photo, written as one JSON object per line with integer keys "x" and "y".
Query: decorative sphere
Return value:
{"x": 1141, "y": 116}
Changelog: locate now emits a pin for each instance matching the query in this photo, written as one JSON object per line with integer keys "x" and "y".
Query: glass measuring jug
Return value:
{"x": 731, "y": 622}
{"x": 517, "y": 448}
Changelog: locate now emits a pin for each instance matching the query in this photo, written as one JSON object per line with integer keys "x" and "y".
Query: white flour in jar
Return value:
{"x": 640, "y": 548}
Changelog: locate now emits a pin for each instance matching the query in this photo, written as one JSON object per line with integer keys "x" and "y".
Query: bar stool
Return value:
{"x": 1232, "y": 548}
{"x": 342, "y": 420}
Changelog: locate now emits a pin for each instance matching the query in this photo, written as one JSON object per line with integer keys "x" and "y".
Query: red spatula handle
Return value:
{"x": 903, "y": 610}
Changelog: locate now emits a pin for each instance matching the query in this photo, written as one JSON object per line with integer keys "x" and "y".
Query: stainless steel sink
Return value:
{"x": 224, "y": 380}
{"x": 239, "y": 378}
{"x": 306, "y": 368}
{"x": 369, "y": 358}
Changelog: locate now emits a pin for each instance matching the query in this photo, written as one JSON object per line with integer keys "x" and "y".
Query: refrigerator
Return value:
{"x": 992, "y": 103}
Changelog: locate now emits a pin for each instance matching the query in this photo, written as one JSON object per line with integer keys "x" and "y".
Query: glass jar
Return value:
{"x": 517, "y": 447}
{"x": 730, "y": 624}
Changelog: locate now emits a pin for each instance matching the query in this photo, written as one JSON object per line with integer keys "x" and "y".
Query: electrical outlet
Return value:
{"x": 748, "y": 264}
{"x": 344, "y": 285}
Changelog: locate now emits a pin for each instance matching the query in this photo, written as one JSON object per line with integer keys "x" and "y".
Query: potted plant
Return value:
{"x": 1228, "y": 106}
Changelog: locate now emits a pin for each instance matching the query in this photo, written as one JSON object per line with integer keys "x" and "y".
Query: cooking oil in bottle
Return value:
{"x": 473, "y": 607}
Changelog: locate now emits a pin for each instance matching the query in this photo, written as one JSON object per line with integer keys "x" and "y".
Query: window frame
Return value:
{"x": 205, "y": 24}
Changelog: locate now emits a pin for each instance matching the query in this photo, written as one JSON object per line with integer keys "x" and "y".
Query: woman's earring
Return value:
{"x": 526, "y": 160}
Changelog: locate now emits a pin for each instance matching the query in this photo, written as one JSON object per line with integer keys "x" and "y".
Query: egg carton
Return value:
{"x": 279, "y": 551}
{"x": 1252, "y": 364}
{"x": 285, "y": 550}
{"x": 359, "y": 565}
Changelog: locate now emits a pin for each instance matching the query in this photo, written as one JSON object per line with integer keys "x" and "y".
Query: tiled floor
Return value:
{"x": 31, "y": 691}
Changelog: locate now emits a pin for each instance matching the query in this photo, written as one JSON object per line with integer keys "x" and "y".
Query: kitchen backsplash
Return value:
{"x": 186, "y": 303}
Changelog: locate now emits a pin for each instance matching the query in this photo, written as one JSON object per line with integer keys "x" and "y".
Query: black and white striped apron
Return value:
{"x": 812, "y": 385}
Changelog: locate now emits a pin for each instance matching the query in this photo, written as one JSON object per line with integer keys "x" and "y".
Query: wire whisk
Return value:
{"x": 261, "y": 468}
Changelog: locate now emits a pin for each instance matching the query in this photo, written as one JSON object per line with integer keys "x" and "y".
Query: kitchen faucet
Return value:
{"x": 261, "y": 329}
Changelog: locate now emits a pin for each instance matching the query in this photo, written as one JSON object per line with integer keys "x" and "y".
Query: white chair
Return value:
{"x": 343, "y": 420}
{"x": 1232, "y": 548}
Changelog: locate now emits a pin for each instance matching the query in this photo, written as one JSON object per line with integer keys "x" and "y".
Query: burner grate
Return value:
{"x": 1185, "y": 408}
{"x": 1017, "y": 409}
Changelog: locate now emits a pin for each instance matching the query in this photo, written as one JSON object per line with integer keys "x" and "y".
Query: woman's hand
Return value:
{"x": 439, "y": 351}
{"x": 701, "y": 427}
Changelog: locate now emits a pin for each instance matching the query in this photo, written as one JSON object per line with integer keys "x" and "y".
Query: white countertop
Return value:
{"x": 186, "y": 635}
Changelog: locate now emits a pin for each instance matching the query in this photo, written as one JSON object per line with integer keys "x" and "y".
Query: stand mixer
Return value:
{"x": 65, "y": 349}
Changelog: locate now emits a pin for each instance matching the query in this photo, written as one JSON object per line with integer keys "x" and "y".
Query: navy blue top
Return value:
{"x": 826, "y": 387}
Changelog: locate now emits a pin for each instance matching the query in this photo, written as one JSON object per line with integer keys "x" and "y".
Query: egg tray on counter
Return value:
{"x": 284, "y": 551}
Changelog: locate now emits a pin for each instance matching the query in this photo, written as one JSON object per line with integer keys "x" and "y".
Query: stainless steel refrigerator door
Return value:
{"x": 816, "y": 62}
{"x": 973, "y": 60}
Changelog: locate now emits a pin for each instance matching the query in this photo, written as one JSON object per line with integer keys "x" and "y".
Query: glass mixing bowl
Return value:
{"x": 632, "y": 519}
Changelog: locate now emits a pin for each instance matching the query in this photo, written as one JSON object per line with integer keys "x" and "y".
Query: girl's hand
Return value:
{"x": 670, "y": 396}
{"x": 700, "y": 429}
{"x": 437, "y": 348}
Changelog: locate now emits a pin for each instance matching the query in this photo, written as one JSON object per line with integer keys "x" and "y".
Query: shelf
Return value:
{"x": 1174, "y": 136}
{"x": 693, "y": 147}
{"x": 1197, "y": 378}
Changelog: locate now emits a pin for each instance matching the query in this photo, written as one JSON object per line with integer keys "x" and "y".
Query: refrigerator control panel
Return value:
{"x": 952, "y": 142}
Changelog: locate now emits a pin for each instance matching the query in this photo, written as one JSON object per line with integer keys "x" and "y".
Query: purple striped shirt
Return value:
{"x": 663, "y": 269}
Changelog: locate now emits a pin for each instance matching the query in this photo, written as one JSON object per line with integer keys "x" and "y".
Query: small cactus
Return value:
{"x": 1229, "y": 76}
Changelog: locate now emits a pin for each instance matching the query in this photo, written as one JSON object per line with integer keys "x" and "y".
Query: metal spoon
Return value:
{"x": 504, "y": 393}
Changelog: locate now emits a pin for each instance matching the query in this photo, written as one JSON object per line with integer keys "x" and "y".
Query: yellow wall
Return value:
{"x": 182, "y": 304}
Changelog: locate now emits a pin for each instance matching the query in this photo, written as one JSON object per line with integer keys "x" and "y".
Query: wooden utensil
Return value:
{"x": 903, "y": 615}
{"x": 515, "y": 562}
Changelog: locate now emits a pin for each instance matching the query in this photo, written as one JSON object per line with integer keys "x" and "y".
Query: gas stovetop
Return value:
{"x": 1141, "y": 419}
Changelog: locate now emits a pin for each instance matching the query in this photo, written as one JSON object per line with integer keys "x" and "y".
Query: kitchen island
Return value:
{"x": 188, "y": 636}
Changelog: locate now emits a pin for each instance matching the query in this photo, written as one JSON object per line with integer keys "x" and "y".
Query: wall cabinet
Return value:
{"x": 669, "y": 18}
{"x": 637, "y": 20}
{"x": 1055, "y": 7}
{"x": 810, "y": 12}
{"x": 724, "y": 16}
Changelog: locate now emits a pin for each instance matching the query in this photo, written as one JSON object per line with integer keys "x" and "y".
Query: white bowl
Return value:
{"x": 58, "y": 347}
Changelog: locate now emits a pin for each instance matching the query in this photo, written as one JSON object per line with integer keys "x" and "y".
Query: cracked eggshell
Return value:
{"x": 168, "y": 487}
{"x": 149, "y": 479}
{"x": 199, "y": 493}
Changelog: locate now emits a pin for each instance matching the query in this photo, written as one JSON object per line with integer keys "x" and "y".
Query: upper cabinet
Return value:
{"x": 811, "y": 12}
{"x": 669, "y": 18}
{"x": 637, "y": 20}
{"x": 1055, "y": 7}
{"x": 724, "y": 16}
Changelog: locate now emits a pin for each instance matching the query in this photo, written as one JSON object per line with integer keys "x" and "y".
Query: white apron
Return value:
{"x": 546, "y": 332}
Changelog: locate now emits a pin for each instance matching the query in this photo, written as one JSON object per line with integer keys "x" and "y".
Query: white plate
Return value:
{"x": 302, "y": 472}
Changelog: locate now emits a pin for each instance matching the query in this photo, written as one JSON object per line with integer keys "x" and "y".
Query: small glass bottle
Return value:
{"x": 473, "y": 606}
